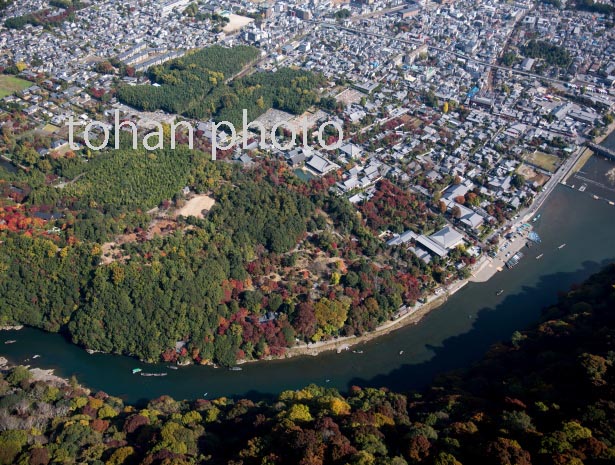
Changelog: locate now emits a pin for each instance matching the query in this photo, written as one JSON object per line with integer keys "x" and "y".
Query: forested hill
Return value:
{"x": 545, "y": 397}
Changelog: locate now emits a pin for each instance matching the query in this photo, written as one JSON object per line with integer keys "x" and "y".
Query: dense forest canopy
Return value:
{"x": 123, "y": 274}
{"x": 170, "y": 289}
{"x": 139, "y": 180}
{"x": 185, "y": 82}
{"x": 552, "y": 54}
{"x": 545, "y": 397}
{"x": 200, "y": 85}
{"x": 119, "y": 256}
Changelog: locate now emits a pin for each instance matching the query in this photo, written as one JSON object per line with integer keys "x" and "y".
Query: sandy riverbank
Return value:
{"x": 11, "y": 328}
{"x": 413, "y": 316}
{"x": 486, "y": 268}
{"x": 587, "y": 154}
{"x": 343, "y": 343}
{"x": 39, "y": 374}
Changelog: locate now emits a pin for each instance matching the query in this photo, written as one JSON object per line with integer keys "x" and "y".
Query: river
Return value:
{"x": 452, "y": 336}
{"x": 596, "y": 176}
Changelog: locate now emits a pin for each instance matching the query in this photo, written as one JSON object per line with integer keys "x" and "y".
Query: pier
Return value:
{"x": 602, "y": 150}
{"x": 514, "y": 260}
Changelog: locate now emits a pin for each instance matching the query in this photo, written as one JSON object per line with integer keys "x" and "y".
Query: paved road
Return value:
{"x": 374, "y": 14}
{"x": 557, "y": 177}
{"x": 485, "y": 271}
{"x": 488, "y": 266}
{"x": 525, "y": 214}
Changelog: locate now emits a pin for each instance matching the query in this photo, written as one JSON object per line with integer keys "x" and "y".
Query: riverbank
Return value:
{"x": 451, "y": 337}
{"x": 607, "y": 133}
{"x": 587, "y": 153}
{"x": 483, "y": 271}
{"x": 40, "y": 374}
{"x": 11, "y": 327}
{"x": 413, "y": 316}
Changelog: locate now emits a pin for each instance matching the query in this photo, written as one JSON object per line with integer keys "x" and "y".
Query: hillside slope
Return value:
{"x": 544, "y": 398}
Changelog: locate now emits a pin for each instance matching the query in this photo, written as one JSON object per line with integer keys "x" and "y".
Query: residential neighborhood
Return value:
{"x": 472, "y": 106}
{"x": 337, "y": 232}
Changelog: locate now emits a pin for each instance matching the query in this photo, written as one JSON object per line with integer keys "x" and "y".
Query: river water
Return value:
{"x": 452, "y": 336}
{"x": 597, "y": 176}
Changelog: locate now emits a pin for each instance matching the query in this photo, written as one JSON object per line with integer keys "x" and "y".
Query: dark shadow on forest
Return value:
{"x": 491, "y": 325}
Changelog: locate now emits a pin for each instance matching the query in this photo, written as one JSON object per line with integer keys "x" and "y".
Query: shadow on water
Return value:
{"x": 449, "y": 338}
{"x": 491, "y": 325}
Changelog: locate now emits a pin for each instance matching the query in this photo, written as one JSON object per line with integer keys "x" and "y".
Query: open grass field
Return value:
{"x": 543, "y": 160}
{"x": 11, "y": 84}
{"x": 50, "y": 128}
